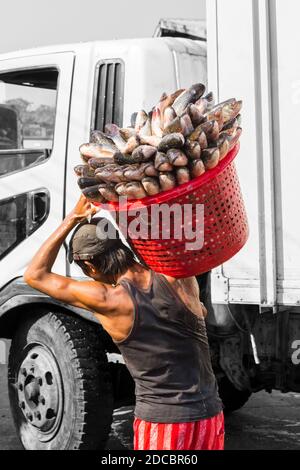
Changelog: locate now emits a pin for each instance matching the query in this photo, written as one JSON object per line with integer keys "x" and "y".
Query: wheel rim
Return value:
{"x": 40, "y": 391}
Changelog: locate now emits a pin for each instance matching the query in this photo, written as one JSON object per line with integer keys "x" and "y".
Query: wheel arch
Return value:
{"x": 13, "y": 310}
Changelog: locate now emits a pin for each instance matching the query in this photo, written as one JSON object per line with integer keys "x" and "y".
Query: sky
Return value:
{"x": 33, "y": 23}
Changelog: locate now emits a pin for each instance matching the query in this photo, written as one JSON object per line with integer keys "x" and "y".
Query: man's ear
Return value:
{"x": 90, "y": 267}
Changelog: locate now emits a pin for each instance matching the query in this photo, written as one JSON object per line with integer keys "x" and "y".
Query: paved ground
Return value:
{"x": 265, "y": 422}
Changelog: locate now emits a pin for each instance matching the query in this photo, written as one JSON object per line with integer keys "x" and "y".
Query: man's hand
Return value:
{"x": 83, "y": 210}
{"x": 38, "y": 274}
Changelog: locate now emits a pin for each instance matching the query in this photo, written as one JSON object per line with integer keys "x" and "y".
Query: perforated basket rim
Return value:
{"x": 179, "y": 191}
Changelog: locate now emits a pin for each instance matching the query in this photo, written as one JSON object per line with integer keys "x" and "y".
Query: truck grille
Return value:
{"x": 109, "y": 94}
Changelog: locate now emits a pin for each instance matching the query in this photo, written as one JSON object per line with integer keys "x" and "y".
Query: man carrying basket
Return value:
{"x": 156, "y": 321}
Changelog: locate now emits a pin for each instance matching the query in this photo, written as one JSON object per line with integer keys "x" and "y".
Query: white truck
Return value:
{"x": 65, "y": 374}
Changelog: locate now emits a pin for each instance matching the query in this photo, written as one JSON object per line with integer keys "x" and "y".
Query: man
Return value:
{"x": 158, "y": 324}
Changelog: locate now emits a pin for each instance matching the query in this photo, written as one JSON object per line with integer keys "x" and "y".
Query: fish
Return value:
{"x": 192, "y": 149}
{"x": 127, "y": 132}
{"x": 230, "y": 109}
{"x": 95, "y": 163}
{"x": 201, "y": 105}
{"x": 152, "y": 140}
{"x": 119, "y": 171}
{"x": 121, "y": 189}
{"x": 108, "y": 166}
{"x": 167, "y": 181}
{"x": 187, "y": 125}
{"x": 197, "y": 168}
{"x": 163, "y": 96}
{"x": 183, "y": 175}
{"x": 151, "y": 186}
{"x": 107, "y": 174}
{"x": 175, "y": 126}
{"x": 209, "y": 97}
{"x": 156, "y": 123}
{"x": 143, "y": 153}
{"x": 111, "y": 164}
{"x": 223, "y": 146}
{"x": 216, "y": 115}
{"x": 93, "y": 150}
{"x": 92, "y": 194}
{"x": 196, "y": 117}
{"x": 210, "y": 128}
{"x": 168, "y": 101}
{"x": 212, "y": 132}
{"x": 132, "y": 143}
{"x": 162, "y": 163}
{"x": 174, "y": 140}
{"x": 229, "y": 132}
{"x": 231, "y": 126}
{"x": 210, "y": 158}
{"x": 122, "y": 159}
{"x": 203, "y": 141}
{"x": 98, "y": 137}
{"x": 206, "y": 127}
{"x": 177, "y": 157}
{"x": 181, "y": 124}
{"x": 140, "y": 121}
{"x": 150, "y": 169}
{"x": 230, "y": 102}
{"x": 113, "y": 132}
{"x": 146, "y": 129}
{"x": 85, "y": 182}
{"x": 204, "y": 103}
{"x": 83, "y": 170}
{"x": 169, "y": 116}
{"x": 135, "y": 190}
{"x": 134, "y": 172}
{"x": 191, "y": 95}
{"x": 234, "y": 140}
{"x": 109, "y": 193}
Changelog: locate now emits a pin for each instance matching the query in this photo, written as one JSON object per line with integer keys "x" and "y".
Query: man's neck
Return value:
{"x": 138, "y": 275}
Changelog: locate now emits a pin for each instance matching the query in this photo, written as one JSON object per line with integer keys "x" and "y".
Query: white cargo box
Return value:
{"x": 252, "y": 51}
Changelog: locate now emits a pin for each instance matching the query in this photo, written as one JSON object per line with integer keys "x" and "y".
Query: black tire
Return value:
{"x": 59, "y": 383}
{"x": 232, "y": 398}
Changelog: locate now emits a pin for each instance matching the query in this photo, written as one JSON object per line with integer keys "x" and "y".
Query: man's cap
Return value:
{"x": 90, "y": 240}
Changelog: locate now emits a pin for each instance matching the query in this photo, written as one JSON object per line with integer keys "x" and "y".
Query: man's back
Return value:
{"x": 167, "y": 354}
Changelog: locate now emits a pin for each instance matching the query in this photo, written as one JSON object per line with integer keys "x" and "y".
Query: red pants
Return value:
{"x": 206, "y": 434}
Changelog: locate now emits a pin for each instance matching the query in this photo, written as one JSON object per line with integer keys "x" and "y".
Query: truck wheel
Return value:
{"x": 59, "y": 383}
{"x": 232, "y": 398}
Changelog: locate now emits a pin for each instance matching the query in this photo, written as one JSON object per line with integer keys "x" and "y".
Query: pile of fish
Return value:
{"x": 180, "y": 139}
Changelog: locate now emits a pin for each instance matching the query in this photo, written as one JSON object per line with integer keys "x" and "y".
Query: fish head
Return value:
{"x": 112, "y": 130}
{"x": 141, "y": 119}
{"x": 197, "y": 90}
{"x": 209, "y": 97}
{"x": 163, "y": 97}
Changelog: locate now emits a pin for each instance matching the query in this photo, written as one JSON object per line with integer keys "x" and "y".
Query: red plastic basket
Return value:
{"x": 226, "y": 228}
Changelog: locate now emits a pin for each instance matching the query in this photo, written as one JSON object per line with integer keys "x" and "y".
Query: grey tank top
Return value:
{"x": 167, "y": 354}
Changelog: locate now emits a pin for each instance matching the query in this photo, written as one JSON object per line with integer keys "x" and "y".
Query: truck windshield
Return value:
{"x": 27, "y": 117}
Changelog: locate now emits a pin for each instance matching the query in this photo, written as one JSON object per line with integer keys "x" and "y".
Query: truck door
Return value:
{"x": 34, "y": 101}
